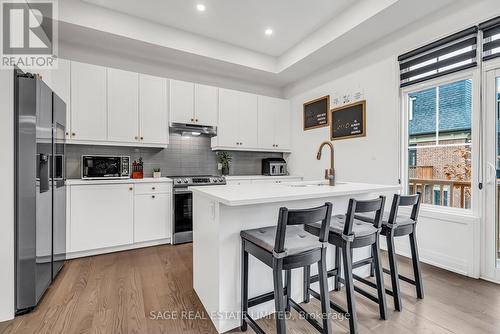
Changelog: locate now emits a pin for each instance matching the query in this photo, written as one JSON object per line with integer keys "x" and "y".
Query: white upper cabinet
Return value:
{"x": 274, "y": 123}
{"x": 153, "y": 109}
{"x": 237, "y": 120}
{"x": 181, "y": 102}
{"x": 206, "y": 103}
{"x": 88, "y": 102}
{"x": 228, "y": 132}
{"x": 60, "y": 83}
{"x": 193, "y": 103}
{"x": 282, "y": 125}
{"x": 248, "y": 108}
{"x": 123, "y": 106}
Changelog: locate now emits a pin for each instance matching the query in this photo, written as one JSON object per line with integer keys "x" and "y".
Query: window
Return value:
{"x": 440, "y": 144}
{"x": 410, "y": 108}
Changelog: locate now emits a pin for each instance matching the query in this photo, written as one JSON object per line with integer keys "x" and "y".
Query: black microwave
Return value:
{"x": 105, "y": 167}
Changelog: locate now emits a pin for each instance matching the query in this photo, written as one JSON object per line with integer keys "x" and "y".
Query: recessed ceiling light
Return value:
{"x": 201, "y": 7}
{"x": 268, "y": 31}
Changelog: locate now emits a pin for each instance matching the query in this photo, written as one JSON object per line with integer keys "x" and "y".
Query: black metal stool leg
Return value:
{"x": 393, "y": 265}
{"x": 279, "y": 296}
{"x": 349, "y": 285}
{"x": 337, "y": 266}
{"x": 372, "y": 267}
{"x": 244, "y": 288}
{"x": 379, "y": 276}
{"x": 307, "y": 284}
{"x": 416, "y": 265}
{"x": 288, "y": 275}
{"x": 325, "y": 298}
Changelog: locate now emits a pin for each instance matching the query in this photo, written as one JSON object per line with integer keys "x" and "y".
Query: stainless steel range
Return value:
{"x": 183, "y": 204}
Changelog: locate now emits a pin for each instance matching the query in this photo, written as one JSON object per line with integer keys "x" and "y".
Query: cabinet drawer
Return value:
{"x": 153, "y": 188}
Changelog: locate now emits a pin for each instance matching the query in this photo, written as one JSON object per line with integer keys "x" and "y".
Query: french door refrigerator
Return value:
{"x": 40, "y": 228}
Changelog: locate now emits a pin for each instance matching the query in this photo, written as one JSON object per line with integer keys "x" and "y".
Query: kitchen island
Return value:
{"x": 221, "y": 212}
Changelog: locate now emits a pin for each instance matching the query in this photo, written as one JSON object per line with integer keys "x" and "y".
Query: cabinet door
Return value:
{"x": 88, "y": 102}
{"x": 248, "y": 111}
{"x": 238, "y": 182}
{"x": 227, "y": 131}
{"x": 61, "y": 82}
{"x": 206, "y": 99}
{"x": 123, "y": 106}
{"x": 152, "y": 217}
{"x": 266, "y": 126}
{"x": 153, "y": 109}
{"x": 101, "y": 216}
{"x": 181, "y": 102}
{"x": 282, "y": 132}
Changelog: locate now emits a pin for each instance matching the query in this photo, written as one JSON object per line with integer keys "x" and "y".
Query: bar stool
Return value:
{"x": 397, "y": 225}
{"x": 346, "y": 234}
{"x": 283, "y": 248}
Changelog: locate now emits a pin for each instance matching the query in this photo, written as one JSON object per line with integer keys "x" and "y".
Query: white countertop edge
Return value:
{"x": 261, "y": 177}
{"x": 72, "y": 182}
{"x": 288, "y": 198}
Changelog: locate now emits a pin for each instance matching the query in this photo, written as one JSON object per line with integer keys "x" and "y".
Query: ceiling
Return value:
{"x": 227, "y": 40}
{"x": 238, "y": 22}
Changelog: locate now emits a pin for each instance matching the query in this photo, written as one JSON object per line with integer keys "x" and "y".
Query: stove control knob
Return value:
{"x": 179, "y": 181}
{"x": 221, "y": 179}
{"x": 185, "y": 180}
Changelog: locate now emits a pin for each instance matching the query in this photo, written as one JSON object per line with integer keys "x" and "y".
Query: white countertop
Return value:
{"x": 71, "y": 182}
{"x": 234, "y": 195}
{"x": 261, "y": 177}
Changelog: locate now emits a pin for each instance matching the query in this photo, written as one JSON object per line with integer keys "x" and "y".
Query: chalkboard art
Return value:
{"x": 349, "y": 121}
{"x": 316, "y": 113}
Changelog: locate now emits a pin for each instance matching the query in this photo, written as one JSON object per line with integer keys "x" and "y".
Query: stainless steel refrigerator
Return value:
{"x": 40, "y": 229}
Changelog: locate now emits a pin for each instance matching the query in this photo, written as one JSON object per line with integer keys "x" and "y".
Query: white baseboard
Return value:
{"x": 100, "y": 251}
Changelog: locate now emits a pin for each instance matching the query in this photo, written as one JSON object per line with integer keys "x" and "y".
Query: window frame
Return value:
{"x": 474, "y": 76}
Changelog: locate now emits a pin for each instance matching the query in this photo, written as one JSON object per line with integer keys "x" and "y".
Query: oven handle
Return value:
{"x": 182, "y": 191}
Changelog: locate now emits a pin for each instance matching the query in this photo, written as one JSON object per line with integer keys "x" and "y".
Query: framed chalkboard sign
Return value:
{"x": 316, "y": 113}
{"x": 349, "y": 121}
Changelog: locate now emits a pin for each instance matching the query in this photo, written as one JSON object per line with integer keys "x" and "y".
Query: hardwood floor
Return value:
{"x": 116, "y": 293}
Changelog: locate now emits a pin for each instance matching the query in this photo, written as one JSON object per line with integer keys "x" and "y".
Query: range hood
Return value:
{"x": 195, "y": 129}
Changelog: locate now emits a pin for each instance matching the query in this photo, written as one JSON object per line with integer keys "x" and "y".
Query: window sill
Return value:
{"x": 453, "y": 215}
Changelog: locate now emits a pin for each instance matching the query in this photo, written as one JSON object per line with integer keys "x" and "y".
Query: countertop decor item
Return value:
{"x": 156, "y": 173}
{"x": 224, "y": 161}
{"x": 138, "y": 169}
{"x": 316, "y": 113}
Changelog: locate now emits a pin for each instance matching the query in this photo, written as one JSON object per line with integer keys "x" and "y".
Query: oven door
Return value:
{"x": 183, "y": 216}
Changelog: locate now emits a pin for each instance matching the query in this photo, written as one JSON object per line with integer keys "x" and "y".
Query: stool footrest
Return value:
{"x": 331, "y": 273}
{"x": 362, "y": 263}
{"x": 370, "y": 284}
{"x": 256, "y": 328}
{"x": 306, "y": 315}
{"x": 333, "y": 306}
{"x": 362, "y": 292}
{"x": 401, "y": 277}
{"x": 263, "y": 298}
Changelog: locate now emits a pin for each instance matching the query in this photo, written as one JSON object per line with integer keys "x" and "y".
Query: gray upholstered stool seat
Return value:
{"x": 359, "y": 229}
{"x": 296, "y": 239}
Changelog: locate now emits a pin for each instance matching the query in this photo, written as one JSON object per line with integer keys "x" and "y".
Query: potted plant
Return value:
{"x": 156, "y": 173}
{"x": 223, "y": 161}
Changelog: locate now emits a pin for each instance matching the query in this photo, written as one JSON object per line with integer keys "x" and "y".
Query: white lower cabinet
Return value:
{"x": 234, "y": 180}
{"x": 101, "y": 216}
{"x": 108, "y": 217}
{"x": 152, "y": 217}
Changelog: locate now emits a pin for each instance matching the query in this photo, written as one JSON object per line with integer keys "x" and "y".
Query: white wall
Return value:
{"x": 446, "y": 240}
{"x": 132, "y": 63}
{"x": 7, "y": 195}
